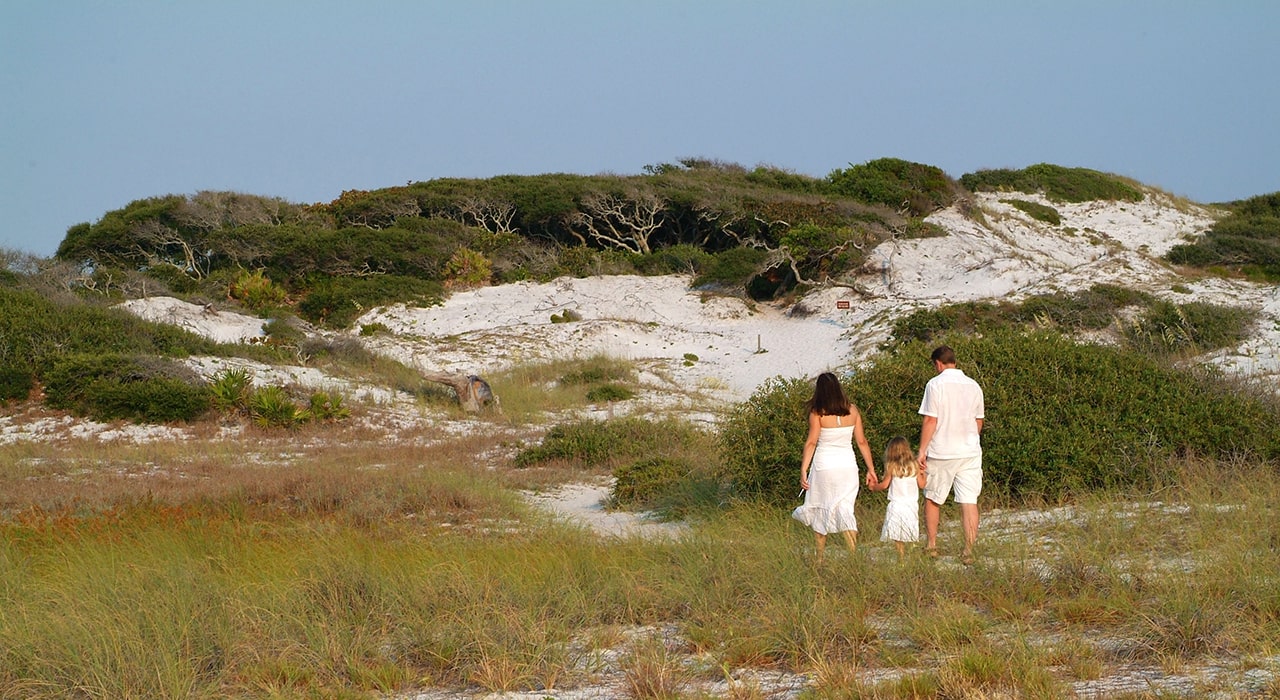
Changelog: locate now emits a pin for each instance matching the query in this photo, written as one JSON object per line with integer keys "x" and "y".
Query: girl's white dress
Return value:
{"x": 902, "y": 517}
{"x": 833, "y": 484}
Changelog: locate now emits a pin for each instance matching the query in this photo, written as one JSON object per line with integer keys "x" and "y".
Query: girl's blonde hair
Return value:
{"x": 899, "y": 460}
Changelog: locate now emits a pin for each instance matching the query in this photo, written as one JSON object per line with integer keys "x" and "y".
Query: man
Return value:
{"x": 950, "y": 451}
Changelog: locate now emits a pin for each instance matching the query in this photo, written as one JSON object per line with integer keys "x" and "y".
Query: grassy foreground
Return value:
{"x": 298, "y": 569}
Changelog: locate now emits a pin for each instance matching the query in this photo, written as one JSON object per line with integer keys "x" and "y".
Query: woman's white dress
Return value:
{"x": 833, "y": 484}
{"x": 902, "y": 517}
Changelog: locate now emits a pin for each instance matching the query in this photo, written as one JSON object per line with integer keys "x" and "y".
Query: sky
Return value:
{"x": 106, "y": 102}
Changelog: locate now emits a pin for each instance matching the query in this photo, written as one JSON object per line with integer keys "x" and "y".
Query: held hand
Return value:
{"x": 804, "y": 482}
{"x": 872, "y": 481}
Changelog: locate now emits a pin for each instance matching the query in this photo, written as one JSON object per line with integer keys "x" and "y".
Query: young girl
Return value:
{"x": 903, "y": 479}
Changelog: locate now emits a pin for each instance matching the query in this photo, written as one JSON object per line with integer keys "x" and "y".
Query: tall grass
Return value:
{"x": 331, "y": 573}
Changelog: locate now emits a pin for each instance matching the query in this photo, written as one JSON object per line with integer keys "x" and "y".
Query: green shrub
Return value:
{"x": 761, "y": 439}
{"x": 1061, "y": 418}
{"x": 326, "y": 406}
{"x": 683, "y": 259}
{"x": 37, "y": 331}
{"x": 337, "y": 301}
{"x": 731, "y": 268}
{"x": 1247, "y": 241}
{"x": 256, "y": 291}
{"x": 895, "y": 183}
{"x": 598, "y": 370}
{"x": 466, "y": 269}
{"x": 280, "y": 330}
{"x": 644, "y": 483}
{"x": 610, "y": 392}
{"x": 136, "y": 388}
{"x": 376, "y": 328}
{"x": 230, "y": 389}
{"x": 1057, "y": 183}
{"x": 15, "y": 383}
{"x": 919, "y": 228}
{"x": 1189, "y": 328}
{"x": 594, "y": 444}
{"x": 271, "y": 407}
{"x": 1036, "y": 210}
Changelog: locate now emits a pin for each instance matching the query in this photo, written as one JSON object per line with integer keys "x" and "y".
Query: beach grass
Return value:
{"x": 309, "y": 568}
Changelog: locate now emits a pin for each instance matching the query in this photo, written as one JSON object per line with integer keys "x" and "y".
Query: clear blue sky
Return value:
{"x": 108, "y": 102}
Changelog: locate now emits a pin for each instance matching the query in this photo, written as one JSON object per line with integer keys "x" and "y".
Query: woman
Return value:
{"x": 828, "y": 469}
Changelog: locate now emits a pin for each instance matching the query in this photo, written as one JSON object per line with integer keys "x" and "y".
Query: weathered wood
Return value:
{"x": 473, "y": 392}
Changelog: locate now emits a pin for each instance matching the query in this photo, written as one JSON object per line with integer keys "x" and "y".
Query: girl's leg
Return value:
{"x": 851, "y": 539}
{"x": 902, "y": 549}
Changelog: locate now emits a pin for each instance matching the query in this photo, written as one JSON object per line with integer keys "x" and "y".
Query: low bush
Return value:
{"x": 136, "y": 388}
{"x": 15, "y": 383}
{"x": 1193, "y": 327}
{"x": 466, "y": 269}
{"x": 1036, "y": 210}
{"x": 271, "y": 407}
{"x": 610, "y": 392}
{"x": 732, "y": 268}
{"x": 337, "y": 301}
{"x": 593, "y": 444}
{"x": 1247, "y": 241}
{"x": 895, "y": 183}
{"x": 1061, "y": 418}
{"x": 230, "y": 389}
{"x": 256, "y": 291}
{"x": 1057, "y": 183}
{"x": 643, "y": 483}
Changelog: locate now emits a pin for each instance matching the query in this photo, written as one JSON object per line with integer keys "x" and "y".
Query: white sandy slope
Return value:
{"x": 724, "y": 347}
{"x": 739, "y": 344}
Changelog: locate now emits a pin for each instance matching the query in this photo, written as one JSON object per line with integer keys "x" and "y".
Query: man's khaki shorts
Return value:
{"x": 964, "y": 475}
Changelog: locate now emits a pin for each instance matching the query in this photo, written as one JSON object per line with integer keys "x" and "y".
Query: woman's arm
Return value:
{"x": 810, "y": 444}
{"x": 864, "y": 447}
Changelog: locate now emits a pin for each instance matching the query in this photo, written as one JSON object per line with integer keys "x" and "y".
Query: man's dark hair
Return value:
{"x": 943, "y": 354}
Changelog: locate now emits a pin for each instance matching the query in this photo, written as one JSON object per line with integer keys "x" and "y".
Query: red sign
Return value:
{"x": 842, "y": 304}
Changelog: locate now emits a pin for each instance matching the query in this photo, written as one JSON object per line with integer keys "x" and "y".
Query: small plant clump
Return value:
{"x": 1035, "y": 210}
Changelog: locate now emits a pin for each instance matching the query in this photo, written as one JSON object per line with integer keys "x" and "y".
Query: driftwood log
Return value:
{"x": 473, "y": 392}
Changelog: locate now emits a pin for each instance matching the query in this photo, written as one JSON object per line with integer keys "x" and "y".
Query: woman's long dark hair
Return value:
{"x": 828, "y": 397}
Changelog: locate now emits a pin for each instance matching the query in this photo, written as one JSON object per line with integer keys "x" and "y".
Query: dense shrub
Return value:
{"x": 670, "y": 486}
{"x": 1036, "y": 210}
{"x": 137, "y": 388}
{"x": 895, "y": 183}
{"x": 37, "y": 331}
{"x": 1057, "y": 183}
{"x": 1194, "y": 327}
{"x": 466, "y": 269}
{"x": 1061, "y": 418}
{"x": 678, "y": 259}
{"x": 337, "y": 301}
{"x": 1248, "y": 241}
{"x": 1159, "y": 327}
{"x": 732, "y": 268}
{"x": 609, "y": 392}
{"x": 272, "y": 407}
{"x": 256, "y": 291}
{"x": 593, "y": 444}
{"x": 761, "y": 439}
{"x": 15, "y": 383}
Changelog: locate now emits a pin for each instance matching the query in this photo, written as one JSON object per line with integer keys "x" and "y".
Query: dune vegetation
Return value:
{"x": 1130, "y": 514}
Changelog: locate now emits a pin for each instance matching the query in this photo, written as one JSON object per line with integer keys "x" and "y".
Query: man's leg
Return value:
{"x": 932, "y": 513}
{"x": 969, "y": 519}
